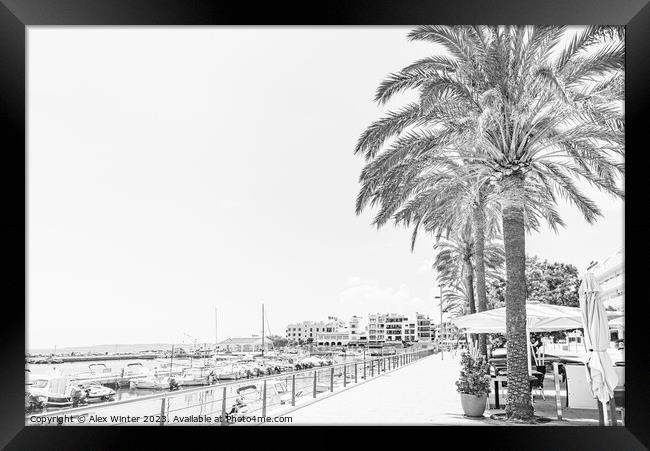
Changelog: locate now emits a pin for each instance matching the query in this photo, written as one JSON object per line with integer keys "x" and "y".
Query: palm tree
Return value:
{"x": 445, "y": 203}
{"x": 530, "y": 110}
{"x": 453, "y": 262}
{"x": 456, "y": 301}
{"x": 456, "y": 260}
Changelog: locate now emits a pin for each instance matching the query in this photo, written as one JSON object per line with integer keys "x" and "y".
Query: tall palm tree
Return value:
{"x": 444, "y": 203}
{"x": 531, "y": 110}
{"x": 453, "y": 262}
{"x": 456, "y": 261}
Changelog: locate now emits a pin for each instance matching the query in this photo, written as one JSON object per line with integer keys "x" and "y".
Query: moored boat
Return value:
{"x": 229, "y": 371}
{"x": 132, "y": 371}
{"x": 195, "y": 376}
{"x": 97, "y": 392}
{"x": 151, "y": 382}
{"x": 52, "y": 391}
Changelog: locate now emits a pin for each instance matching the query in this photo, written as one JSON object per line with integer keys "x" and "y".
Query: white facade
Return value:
{"x": 310, "y": 330}
{"x": 447, "y": 335}
{"x": 305, "y": 330}
{"x": 610, "y": 274}
{"x": 394, "y": 327}
{"x": 358, "y": 331}
{"x": 338, "y": 338}
{"x": 424, "y": 328}
{"x": 377, "y": 330}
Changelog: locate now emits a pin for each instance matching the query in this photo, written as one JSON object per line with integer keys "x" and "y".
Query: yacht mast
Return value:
{"x": 262, "y": 330}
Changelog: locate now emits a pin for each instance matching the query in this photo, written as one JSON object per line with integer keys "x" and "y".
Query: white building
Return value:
{"x": 304, "y": 331}
{"x": 378, "y": 330}
{"x": 446, "y": 335}
{"x": 358, "y": 331}
{"x": 424, "y": 329}
{"x": 245, "y": 344}
{"x": 610, "y": 275}
{"x": 337, "y": 338}
{"x": 393, "y": 327}
{"x": 309, "y": 331}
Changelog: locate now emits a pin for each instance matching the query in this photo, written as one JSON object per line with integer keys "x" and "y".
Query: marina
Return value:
{"x": 136, "y": 378}
{"x": 242, "y": 397}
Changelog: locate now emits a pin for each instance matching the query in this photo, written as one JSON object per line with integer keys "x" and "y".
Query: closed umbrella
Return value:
{"x": 600, "y": 370}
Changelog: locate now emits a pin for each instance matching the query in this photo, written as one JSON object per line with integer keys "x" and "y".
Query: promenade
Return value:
{"x": 420, "y": 393}
{"x": 423, "y": 392}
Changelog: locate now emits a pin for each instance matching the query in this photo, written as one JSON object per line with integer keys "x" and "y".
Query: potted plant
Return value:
{"x": 473, "y": 384}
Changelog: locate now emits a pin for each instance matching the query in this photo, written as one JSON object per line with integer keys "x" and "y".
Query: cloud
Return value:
{"x": 367, "y": 296}
{"x": 426, "y": 267}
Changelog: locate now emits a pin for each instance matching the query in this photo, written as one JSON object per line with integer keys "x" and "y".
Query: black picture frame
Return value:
{"x": 16, "y": 15}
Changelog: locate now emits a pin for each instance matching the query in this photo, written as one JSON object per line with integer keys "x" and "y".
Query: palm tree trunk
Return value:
{"x": 519, "y": 406}
{"x": 478, "y": 217}
{"x": 469, "y": 286}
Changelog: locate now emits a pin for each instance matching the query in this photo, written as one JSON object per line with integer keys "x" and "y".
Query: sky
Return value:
{"x": 172, "y": 171}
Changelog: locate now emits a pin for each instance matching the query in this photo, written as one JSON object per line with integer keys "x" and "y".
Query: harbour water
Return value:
{"x": 80, "y": 369}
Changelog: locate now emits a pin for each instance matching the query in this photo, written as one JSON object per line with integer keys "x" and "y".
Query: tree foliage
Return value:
{"x": 546, "y": 282}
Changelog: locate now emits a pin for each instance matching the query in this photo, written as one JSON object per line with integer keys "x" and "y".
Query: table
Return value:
{"x": 497, "y": 379}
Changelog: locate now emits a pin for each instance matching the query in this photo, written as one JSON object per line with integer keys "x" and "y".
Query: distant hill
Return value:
{"x": 112, "y": 348}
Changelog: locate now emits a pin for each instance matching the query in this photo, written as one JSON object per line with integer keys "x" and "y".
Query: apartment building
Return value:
{"x": 377, "y": 330}
{"x": 305, "y": 331}
{"x": 447, "y": 334}
{"x": 358, "y": 331}
{"x": 424, "y": 330}
{"x": 313, "y": 331}
{"x": 393, "y": 327}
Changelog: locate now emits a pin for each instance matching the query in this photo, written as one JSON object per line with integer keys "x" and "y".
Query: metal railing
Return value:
{"x": 224, "y": 403}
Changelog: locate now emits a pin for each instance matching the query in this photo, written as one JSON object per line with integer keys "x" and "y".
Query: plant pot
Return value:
{"x": 473, "y": 405}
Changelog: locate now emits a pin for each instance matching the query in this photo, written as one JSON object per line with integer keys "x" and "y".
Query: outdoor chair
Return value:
{"x": 539, "y": 382}
{"x": 619, "y": 399}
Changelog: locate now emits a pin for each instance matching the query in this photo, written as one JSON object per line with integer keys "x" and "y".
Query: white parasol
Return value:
{"x": 600, "y": 369}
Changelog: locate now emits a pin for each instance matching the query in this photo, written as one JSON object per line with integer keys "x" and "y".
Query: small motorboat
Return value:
{"x": 101, "y": 374}
{"x": 229, "y": 372}
{"x": 249, "y": 400}
{"x": 97, "y": 392}
{"x": 195, "y": 376}
{"x": 151, "y": 382}
{"x": 52, "y": 391}
{"x": 132, "y": 371}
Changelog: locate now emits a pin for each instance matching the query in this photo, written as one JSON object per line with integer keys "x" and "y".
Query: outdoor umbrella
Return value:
{"x": 539, "y": 318}
{"x": 600, "y": 370}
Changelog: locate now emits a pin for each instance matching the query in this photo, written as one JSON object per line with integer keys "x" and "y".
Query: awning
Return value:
{"x": 539, "y": 318}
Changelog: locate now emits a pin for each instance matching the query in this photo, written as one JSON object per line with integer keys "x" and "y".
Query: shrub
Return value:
{"x": 474, "y": 378}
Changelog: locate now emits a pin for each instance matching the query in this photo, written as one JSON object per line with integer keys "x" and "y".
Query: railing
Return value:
{"x": 219, "y": 404}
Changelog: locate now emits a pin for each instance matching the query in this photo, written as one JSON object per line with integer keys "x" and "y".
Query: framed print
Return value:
{"x": 388, "y": 214}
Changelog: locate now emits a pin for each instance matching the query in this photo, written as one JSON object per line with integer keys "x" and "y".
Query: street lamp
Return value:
{"x": 442, "y": 354}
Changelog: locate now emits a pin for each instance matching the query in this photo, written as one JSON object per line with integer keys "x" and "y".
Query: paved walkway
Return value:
{"x": 423, "y": 392}
{"x": 420, "y": 393}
